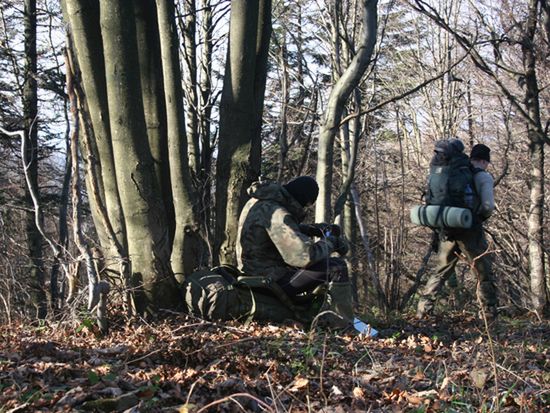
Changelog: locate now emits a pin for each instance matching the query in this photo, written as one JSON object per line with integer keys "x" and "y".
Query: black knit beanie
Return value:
{"x": 480, "y": 151}
{"x": 303, "y": 189}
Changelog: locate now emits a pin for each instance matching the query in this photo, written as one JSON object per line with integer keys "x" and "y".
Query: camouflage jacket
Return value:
{"x": 269, "y": 241}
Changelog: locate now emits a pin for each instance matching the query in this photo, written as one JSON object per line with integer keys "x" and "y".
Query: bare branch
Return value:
{"x": 404, "y": 94}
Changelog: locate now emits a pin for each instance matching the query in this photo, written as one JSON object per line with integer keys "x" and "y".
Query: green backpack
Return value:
{"x": 451, "y": 178}
{"x": 224, "y": 293}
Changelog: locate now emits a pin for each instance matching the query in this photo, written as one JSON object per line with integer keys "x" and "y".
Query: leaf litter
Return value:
{"x": 181, "y": 364}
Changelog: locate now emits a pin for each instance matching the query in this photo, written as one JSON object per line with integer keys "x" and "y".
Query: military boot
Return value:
{"x": 337, "y": 310}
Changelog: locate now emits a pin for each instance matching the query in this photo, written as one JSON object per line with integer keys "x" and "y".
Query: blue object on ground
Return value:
{"x": 364, "y": 328}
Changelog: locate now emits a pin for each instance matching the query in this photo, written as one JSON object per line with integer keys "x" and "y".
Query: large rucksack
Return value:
{"x": 223, "y": 293}
{"x": 451, "y": 178}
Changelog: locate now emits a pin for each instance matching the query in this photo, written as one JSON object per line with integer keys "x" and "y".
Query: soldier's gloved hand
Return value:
{"x": 333, "y": 230}
{"x": 339, "y": 244}
{"x": 328, "y": 229}
{"x": 320, "y": 230}
{"x": 311, "y": 230}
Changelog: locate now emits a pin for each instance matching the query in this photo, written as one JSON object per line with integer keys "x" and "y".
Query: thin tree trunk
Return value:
{"x": 62, "y": 211}
{"x": 188, "y": 26}
{"x": 205, "y": 100}
{"x": 82, "y": 245}
{"x": 283, "y": 135}
{"x": 30, "y": 159}
{"x": 185, "y": 249}
{"x": 338, "y": 97}
{"x": 535, "y": 133}
{"x": 93, "y": 184}
{"x": 263, "y": 38}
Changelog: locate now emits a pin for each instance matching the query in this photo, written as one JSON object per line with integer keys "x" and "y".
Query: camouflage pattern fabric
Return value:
{"x": 474, "y": 246}
{"x": 269, "y": 240}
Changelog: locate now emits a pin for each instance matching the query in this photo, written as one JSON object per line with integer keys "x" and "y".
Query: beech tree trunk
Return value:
{"x": 147, "y": 233}
{"x": 152, "y": 84}
{"x": 83, "y": 17}
{"x": 536, "y": 134}
{"x": 241, "y": 109}
{"x": 186, "y": 245}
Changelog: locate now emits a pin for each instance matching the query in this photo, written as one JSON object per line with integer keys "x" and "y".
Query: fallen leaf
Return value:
{"x": 419, "y": 376}
{"x": 444, "y": 383}
{"x": 187, "y": 408}
{"x": 413, "y": 399}
{"x": 358, "y": 393}
{"x": 336, "y": 391}
{"x": 299, "y": 383}
{"x": 479, "y": 378}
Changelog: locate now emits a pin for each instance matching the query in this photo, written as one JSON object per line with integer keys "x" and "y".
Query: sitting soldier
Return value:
{"x": 272, "y": 242}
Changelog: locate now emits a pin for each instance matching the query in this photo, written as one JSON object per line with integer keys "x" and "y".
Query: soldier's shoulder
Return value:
{"x": 264, "y": 207}
{"x": 483, "y": 176}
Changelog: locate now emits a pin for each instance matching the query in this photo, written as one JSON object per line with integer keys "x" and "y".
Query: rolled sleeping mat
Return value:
{"x": 450, "y": 217}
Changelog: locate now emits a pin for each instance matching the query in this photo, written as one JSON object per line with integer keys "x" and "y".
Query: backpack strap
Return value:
{"x": 260, "y": 282}
{"x": 269, "y": 284}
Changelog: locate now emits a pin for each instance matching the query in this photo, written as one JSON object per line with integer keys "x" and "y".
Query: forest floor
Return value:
{"x": 182, "y": 364}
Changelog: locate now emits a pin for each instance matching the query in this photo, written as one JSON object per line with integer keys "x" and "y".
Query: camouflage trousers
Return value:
{"x": 473, "y": 245}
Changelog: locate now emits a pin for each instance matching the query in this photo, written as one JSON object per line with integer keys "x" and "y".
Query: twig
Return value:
{"x": 515, "y": 375}
{"x": 231, "y": 397}
{"x": 145, "y": 356}
{"x": 193, "y": 388}
{"x": 404, "y": 94}
{"x": 236, "y": 341}
{"x": 58, "y": 252}
{"x": 321, "y": 369}
{"x": 485, "y": 322}
{"x": 274, "y": 397}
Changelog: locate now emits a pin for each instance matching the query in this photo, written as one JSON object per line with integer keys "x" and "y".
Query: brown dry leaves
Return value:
{"x": 183, "y": 364}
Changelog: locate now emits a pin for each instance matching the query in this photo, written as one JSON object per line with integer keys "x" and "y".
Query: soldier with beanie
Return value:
{"x": 472, "y": 243}
{"x": 272, "y": 241}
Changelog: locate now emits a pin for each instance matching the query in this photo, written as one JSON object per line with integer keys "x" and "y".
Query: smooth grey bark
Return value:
{"x": 101, "y": 217}
{"x": 83, "y": 18}
{"x": 30, "y": 159}
{"x": 241, "y": 109}
{"x": 186, "y": 245}
{"x": 188, "y": 26}
{"x": 206, "y": 97}
{"x": 147, "y": 233}
{"x": 536, "y": 134}
{"x": 337, "y": 100}
{"x": 150, "y": 69}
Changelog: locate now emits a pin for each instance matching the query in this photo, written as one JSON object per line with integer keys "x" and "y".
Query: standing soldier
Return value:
{"x": 471, "y": 242}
